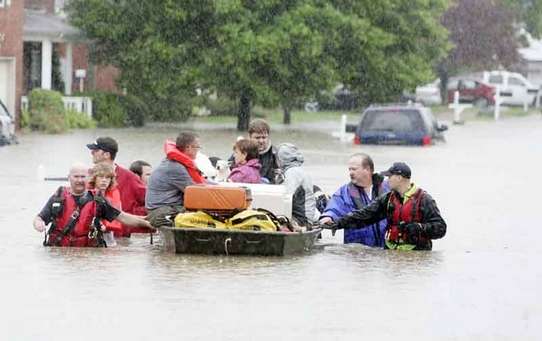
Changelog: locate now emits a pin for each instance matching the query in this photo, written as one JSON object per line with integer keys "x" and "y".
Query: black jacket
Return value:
{"x": 434, "y": 227}
{"x": 269, "y": 163}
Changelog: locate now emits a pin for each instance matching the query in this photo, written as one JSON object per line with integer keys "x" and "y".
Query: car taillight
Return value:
{"x": 357, "y": 140}
{"x": 426, "y": 140}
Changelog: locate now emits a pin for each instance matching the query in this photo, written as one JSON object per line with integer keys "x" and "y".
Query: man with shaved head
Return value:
{"x": 364, "y": 187}
{"x": 75, "y": 213}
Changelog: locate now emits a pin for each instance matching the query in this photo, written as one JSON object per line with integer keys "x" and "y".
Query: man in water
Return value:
{"x": 413, "y": 218}
{"x": 364, "y": 187}
{"x": 74, "y": 214}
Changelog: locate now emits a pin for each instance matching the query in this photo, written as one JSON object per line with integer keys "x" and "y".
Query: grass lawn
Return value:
{"x": 275, "y": 116}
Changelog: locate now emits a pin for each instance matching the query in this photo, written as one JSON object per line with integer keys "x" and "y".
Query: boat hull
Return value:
{"x": 236, "y": 242}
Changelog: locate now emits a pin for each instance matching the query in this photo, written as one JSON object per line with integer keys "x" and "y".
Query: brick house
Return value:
{"x": 40, "y": 49}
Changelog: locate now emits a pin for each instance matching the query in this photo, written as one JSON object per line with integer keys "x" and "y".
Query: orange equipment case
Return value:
{"x": 216, "y": 198}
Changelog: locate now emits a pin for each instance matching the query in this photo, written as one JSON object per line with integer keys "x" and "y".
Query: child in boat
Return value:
{"x": 247, "y": 165}
{"x": 103, "y": 182}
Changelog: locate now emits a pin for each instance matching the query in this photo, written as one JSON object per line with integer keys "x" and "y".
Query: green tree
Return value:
{"x": 387, "y": 46}
{"x": 265, "y": 52}
{"x": 529, "y": 13}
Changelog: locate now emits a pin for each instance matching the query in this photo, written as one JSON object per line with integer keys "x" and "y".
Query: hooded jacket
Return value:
{"x": 248, "y": 172}
{"x": 298, "y": 183}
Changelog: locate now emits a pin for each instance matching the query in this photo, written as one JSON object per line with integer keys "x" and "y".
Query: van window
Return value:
{"x": 495, "y": 79}
{"x": 469, "y": 84}
{"x": 515, "y": 81}
{"x": 397, "y": 121}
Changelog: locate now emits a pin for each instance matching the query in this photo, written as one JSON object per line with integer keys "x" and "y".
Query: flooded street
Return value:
{"x": 481, "y": 281}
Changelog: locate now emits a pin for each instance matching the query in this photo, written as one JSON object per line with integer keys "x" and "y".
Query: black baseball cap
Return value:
{"x": 107, "y": 144}
{"x": 398, "y": 168}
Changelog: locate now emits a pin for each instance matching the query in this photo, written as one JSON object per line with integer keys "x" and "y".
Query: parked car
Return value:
{"x": 340, "y": 98}
{"x": 410, "y": 124}
{"x": 513, "y": 87}
{"x": 429, "y": 94}
{"x": 7, "y": 126}
{"x": 471, "y": 91}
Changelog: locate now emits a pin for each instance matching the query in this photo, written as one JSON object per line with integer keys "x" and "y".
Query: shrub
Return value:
{"x": 222, "y": 106}
{"x": 107, "y": 109}
{"x": 79, "y": 120}
{"x": 25, "y": 118}
{"x": 135, "y": 110}
{"x": 47, "y": 111}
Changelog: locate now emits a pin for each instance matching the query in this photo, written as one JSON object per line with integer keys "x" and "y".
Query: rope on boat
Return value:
{"x": 226, "y": 242}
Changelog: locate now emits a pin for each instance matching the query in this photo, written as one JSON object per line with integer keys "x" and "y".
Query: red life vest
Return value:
{"x": 173, "y": 153}
{"x": 408, "y": 212}
{"x": 79, "y": 234}
{"x": 113, "y": 196}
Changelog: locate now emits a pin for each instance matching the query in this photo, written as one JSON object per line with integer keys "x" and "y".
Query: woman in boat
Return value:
{"x": 247, "y": 165}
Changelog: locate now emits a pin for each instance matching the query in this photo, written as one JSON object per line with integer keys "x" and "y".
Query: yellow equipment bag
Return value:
{"x": 251, "y": 220}
{"x": 198, "y": 219}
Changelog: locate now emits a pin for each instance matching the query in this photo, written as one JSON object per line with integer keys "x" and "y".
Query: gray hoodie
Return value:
{"x": 298, "y": 183}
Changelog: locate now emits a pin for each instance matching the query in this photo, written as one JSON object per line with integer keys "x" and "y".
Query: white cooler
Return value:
{"x": 273, "y": 198}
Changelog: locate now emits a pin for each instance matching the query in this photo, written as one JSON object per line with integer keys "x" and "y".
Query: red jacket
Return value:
{"x": 113, "y": 196}
{"x": 132, "y": 196}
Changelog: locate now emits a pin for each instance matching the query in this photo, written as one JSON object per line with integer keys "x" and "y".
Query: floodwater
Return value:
{"x": 482, "y": 281}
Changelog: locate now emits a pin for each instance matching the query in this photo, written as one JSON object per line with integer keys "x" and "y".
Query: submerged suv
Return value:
{"x": 7, "y": 126}
{"x": 408, "y": 124}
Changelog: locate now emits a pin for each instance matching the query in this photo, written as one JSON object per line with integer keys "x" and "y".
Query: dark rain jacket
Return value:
{"x": 434, "y": 227}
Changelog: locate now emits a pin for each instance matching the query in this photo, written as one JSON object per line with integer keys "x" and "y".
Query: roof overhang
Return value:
{"x": 39, "y": 26}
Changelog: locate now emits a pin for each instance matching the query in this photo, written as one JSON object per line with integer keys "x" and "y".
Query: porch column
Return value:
{"x": 46, "y": 64}
{"x": 69, "y": 69}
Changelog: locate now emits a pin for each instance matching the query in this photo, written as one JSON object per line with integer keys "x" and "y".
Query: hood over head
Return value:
{"x": 289, "y": 156}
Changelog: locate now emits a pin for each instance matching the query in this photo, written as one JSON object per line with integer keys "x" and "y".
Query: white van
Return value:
{"x": 514, "y": 88}
{"x": 7, "y": 126}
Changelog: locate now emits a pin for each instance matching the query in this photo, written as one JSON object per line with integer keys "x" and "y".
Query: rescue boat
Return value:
{"x": 204, "y": 230}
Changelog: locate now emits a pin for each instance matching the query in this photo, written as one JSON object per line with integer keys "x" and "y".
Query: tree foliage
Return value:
{"x": 267, "y": 52}
{"x": 528, "y": 13}
{"x": 483, "y": 35}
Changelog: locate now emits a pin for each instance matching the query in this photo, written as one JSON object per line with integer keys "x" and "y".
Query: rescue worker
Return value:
{"x": 413, "y": 218}
{"x": 165, "y": 192}
{"x": 364, "y": 187}
{"x": 75, "y": 213}
{"x": 142, "y": 169}
{"x": 131, "y": 188}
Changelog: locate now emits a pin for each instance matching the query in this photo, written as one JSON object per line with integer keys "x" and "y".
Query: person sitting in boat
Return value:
{"x": 413, "y": 218}
{"x": 364, "y": 187}
{"x": 102, "y": 182}
{"x": 247, "y": 165}
{"x": 165, "y": 191}
{"x": 142, "y": 169}
{"x": 259, "y": 132}
{"x": 298, "y": 184}
{"x": 74, "y": 214}
{"x": 131, "y": 188}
